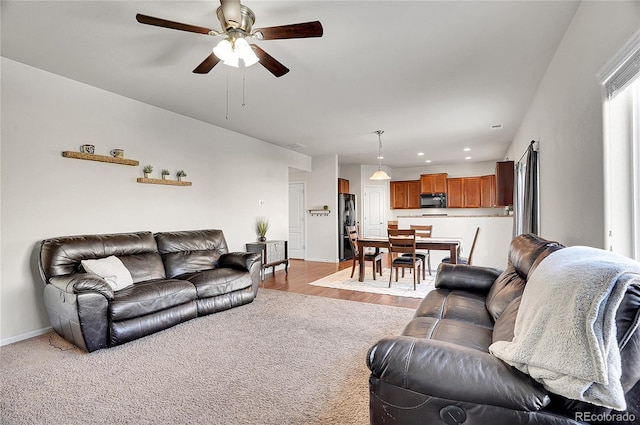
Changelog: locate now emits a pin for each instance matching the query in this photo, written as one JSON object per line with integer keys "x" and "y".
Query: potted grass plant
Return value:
{"x": 262, "y": 225}
{"x": 165, "y": 174}
{"x": 180, "y": 174}
{"x": 147, "y": 170}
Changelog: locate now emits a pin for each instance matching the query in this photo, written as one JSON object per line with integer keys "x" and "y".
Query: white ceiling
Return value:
{"x": 434, "y": 75}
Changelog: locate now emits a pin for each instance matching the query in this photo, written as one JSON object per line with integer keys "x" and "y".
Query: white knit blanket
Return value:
{"x": 565, "y": 330}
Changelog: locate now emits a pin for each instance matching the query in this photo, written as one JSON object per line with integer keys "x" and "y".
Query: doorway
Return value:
{"x": 297, "y": 234}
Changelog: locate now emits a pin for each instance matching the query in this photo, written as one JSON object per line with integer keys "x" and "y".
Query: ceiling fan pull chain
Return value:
{"x": 227, "y": 113}
{"x": 243, "y": 74}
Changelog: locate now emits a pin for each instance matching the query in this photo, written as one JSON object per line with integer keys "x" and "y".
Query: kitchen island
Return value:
{"x": 496, "y": 232}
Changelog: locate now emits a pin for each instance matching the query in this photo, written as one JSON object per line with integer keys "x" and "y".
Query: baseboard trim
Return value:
{"x": 22, "y": 337}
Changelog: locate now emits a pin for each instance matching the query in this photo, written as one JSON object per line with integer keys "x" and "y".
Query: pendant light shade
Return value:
{"x": 379, "y": 174}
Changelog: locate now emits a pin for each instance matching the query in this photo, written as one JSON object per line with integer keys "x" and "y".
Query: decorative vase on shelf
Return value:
{"x": 262, "y": 239}
{"x": 147, "y": 175}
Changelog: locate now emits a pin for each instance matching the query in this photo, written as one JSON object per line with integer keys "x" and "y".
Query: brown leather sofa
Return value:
{"x": 176, "y": 276}
{"x": 440, "y": 370}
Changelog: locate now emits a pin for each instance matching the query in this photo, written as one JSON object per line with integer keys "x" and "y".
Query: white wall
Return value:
{"x": 45, "y": 195}
{"x": 322, "y": 231}
{"x": 565, "y": 116}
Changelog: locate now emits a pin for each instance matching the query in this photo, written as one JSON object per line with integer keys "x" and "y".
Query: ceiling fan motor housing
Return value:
{"x": 244, "y": 26}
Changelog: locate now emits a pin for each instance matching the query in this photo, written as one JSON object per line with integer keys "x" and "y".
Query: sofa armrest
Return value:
{"x": 446, "y": 370}
{"x": 239, "y": 260}
{"x": 465, "y": 277}
{"x": 82, "y": 282}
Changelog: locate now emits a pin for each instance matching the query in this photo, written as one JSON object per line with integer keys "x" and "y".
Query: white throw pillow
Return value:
{"x": 110, "y": 269}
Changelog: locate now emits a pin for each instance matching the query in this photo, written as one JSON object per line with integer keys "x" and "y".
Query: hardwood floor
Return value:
{"x": 302, "y": 272}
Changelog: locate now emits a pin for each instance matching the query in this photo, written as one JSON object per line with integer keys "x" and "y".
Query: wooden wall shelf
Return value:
{"x": 165, "y": 182}
{"x": 100, "y": 158}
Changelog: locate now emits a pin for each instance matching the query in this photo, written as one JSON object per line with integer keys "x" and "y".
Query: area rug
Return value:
{"x": 402, "y": 288}
{"x": 284, "y": 359}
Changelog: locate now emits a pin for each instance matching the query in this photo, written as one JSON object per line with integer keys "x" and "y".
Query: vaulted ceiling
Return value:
{"x": 436, "y": 76}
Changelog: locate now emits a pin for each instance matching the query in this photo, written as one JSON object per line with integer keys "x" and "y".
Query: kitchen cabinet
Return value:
{"x": 488, "y": 191}
{"x": 405, "y": 194}
{"x": 471, "y": 189}
{"x": 455, "y": 192}
{"x": 504, "y": 183}
{"x": 466, "y": 192}
{"x": 343, "y": 186}
{"x": 433, "y": 183}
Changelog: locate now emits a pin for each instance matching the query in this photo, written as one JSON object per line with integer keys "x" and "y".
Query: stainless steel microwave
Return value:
{"x": 433, "y": 200}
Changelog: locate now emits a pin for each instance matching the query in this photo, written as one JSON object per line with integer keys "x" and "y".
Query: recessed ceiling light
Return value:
{"x": 467, "y": 149}
{"x": 427, "y": 161}
{"x": 420, "y": 153}
{"x": 467, "y": 157}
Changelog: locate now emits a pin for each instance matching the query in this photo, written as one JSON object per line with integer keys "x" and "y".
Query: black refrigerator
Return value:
{"x": 346, "y": 217}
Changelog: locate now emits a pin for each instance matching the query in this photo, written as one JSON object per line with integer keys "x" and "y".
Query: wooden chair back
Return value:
{"x": 353, "y": 239}
{"x": 473, "y": 246}
{"x": 422, "y": 231}
{"x": 402, "y": 241}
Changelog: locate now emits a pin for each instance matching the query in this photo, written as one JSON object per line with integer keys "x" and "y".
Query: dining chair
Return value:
{"x": 465, "y": 260}
{"x": 403, "y": 241}
{"x": 423, "y": 231}
{"x": 374, "y": 257}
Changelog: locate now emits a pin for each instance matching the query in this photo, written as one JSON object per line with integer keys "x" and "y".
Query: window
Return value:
{"x": 621, "y": 82}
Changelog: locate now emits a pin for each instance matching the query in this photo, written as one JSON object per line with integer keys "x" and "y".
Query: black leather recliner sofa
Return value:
{"x": 177, "y": 276}
{"x": 440, "y": 370}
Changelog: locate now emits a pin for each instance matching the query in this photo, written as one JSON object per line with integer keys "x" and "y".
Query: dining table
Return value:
{"x": 451, "y": 244}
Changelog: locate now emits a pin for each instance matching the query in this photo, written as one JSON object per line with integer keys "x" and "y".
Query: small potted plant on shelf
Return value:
{"x": 147, "y": 170}
{"x": 262, "y": 225}
{"x": 165, "y": 174}
{"x": 180, "y": 174}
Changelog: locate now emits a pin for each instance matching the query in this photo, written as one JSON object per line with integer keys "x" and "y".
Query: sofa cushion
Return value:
{"x": 150, "y": 297}
{"x": 507, "y": 287}
{"x": 525, "y": 253}
{"x": 503, "y": 328}
{"x": 455, "y": 331}
{"x": 214, "y": 282}
{"x": 190, "y": 251}
{"x": 456, "y": 305}
{"x": 137, "y": 251}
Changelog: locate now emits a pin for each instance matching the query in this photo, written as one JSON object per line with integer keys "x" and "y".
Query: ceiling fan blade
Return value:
{"x": 158, "y": 22}
{"x": 303, "y": 30}
{"x": 207, "y": 64}
{"x": 268, "y": 61}
{"x": 231, "y": 12}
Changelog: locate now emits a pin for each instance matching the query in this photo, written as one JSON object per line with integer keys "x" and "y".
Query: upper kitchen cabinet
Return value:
{"x": 467, "y": 192}
{"x": 343, "y": 186}
{"x": 433, "y": 183}
{"x": 504, "y": 183}
{"x": 405, "y": 194}
{"x": 488, "y": 191}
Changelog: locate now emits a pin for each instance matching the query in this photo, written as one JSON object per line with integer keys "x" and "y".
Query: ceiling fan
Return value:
{"x": 237, "y": 21}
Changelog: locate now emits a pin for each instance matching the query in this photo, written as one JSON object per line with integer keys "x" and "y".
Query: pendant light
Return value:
{"x": 380, "y": 174}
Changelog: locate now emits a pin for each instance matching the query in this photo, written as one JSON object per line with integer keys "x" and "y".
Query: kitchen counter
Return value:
{"x": 492, "y": 248}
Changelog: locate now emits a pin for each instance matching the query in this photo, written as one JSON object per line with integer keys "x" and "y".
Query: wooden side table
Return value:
{"x": 273, "y": 253}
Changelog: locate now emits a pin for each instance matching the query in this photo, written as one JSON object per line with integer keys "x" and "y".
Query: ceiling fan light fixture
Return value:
{"x": 230, "y": 52}
{"x": 380, "y": 174}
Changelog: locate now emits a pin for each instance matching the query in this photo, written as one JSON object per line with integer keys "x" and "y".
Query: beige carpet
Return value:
{"x": 402, "y": 288}
{"x": 283, "y": 359}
